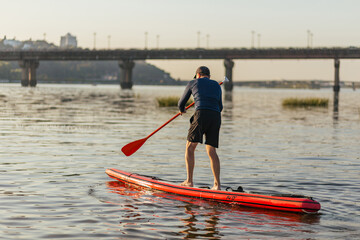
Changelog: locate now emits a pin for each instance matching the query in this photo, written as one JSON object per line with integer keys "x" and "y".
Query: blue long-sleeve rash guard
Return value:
{"x": 206, "y": 93}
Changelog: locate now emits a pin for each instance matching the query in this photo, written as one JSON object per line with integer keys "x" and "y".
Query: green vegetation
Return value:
{"x": 170, "y": 101}
{"x": 305, "y": 102}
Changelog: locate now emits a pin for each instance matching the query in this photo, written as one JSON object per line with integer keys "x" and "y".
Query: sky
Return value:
{"x": 194, "y": 23}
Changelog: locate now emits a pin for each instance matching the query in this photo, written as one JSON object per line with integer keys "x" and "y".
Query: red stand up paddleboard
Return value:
{"x": 289, "y": 203}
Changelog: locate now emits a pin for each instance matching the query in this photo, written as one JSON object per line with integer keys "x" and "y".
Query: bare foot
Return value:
{"x": 187, "y": 184}
{"x": 216, "y": 188}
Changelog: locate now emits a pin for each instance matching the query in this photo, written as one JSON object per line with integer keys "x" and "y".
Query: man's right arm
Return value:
{"x": 220, "y": 102}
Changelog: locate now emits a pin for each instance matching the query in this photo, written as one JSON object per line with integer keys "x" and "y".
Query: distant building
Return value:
{"x": 12, "y": 42}
{"x": 28, "y": 46}
{"x": 68, "y": 41}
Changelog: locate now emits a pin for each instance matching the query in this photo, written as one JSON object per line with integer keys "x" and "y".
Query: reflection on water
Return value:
{"x": 209, "y": 228}
{"x": 336, "y": 106}
{"x": 57, "y": 141}
{"x": 228, "y": 96}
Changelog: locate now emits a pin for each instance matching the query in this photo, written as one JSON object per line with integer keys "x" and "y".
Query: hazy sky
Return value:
{"x": 228, "y": 23}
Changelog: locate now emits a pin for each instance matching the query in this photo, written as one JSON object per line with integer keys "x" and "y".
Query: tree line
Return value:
{"x": 80, "y": 71}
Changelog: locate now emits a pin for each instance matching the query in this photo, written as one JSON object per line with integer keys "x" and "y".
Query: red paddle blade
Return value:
{"x": 132, "y": 147}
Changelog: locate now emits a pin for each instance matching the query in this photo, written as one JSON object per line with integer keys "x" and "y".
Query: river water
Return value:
{"x": 58, "y": 140}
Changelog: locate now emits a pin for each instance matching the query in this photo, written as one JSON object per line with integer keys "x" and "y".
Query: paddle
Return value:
{"x": 132, "y": 147}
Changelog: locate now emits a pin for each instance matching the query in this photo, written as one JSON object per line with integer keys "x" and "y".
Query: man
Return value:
{"x": 205, "y": 121}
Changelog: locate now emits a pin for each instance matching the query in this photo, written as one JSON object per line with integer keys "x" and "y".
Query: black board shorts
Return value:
{"x": 205, "y": 122}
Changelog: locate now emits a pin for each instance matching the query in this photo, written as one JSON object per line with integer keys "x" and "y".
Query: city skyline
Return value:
{"x": 191, "y": 24}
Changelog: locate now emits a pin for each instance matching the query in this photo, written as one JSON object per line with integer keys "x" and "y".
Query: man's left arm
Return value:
{"x": 183, "y": 100}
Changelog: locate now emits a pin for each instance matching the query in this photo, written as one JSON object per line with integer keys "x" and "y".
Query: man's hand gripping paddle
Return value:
{"x": 132, "y": 147}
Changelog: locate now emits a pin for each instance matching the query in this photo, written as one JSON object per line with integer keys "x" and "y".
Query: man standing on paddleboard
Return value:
{"x": 205, "y": 121}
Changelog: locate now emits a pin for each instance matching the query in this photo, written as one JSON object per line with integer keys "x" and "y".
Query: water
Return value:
{"x": 57, "y": 141}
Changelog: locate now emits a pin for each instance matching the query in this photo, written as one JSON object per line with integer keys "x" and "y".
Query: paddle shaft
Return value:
{"x": 178, "y": 114}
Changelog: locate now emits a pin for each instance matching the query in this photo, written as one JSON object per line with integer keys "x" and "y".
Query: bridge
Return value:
{"x": 29, "y": 60}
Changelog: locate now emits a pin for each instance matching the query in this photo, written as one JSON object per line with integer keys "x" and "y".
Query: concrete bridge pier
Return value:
{"x": 28, "y": 77}
{"x": 336, "y": 85}
{"x": 229, "y": 64}
{"x": 126, "y": 77}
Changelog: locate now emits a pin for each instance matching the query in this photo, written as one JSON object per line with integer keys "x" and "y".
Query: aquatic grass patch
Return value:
{"x": 305, "y": 102}
{"x": 170, "y": 101}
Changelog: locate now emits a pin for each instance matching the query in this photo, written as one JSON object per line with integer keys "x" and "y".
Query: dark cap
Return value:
{"x": 202, "y": 70}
